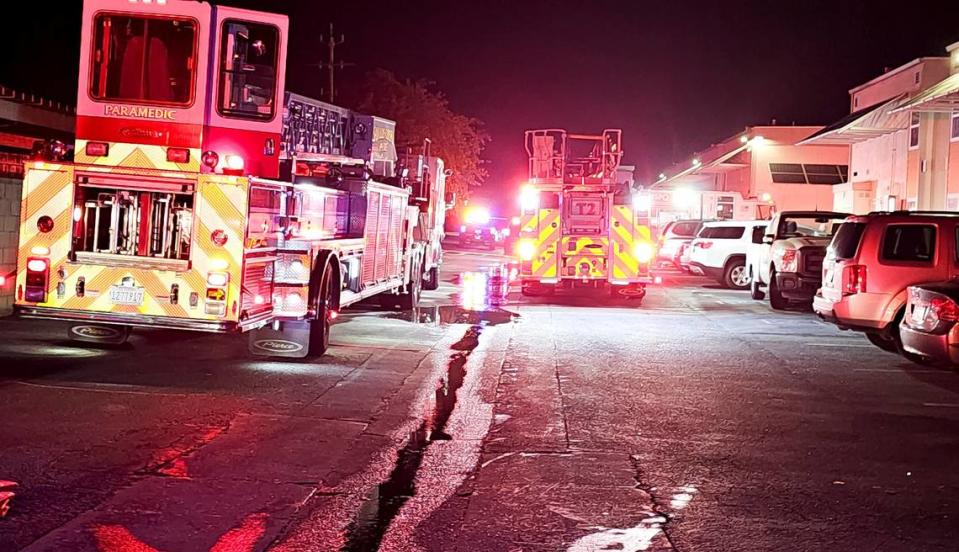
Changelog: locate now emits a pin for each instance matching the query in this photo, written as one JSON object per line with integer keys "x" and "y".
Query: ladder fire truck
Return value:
{"x": 204, "y": 197}
{"x": 579, "y": 226}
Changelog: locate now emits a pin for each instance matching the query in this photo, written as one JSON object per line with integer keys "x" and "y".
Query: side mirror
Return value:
{"x": 450, "y": 199}
{"x": 768, "y": 238}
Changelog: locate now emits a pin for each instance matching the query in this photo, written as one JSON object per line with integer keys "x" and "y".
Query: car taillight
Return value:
{"x": 943, "y": 309}
{"x": 178, "y": 155}
{"x": 854, "y": 279}
{"x": 790, "y": 261}
{"x": 38, "y": 275}
{"x": 704, "y": 244}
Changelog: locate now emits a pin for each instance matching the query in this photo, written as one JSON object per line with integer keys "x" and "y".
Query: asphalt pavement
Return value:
{"x": 697, "y": 419}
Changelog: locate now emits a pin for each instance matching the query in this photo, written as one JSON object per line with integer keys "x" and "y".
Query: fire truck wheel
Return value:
{"x": 431, "y": 279}
{"x": 320, "y": 328}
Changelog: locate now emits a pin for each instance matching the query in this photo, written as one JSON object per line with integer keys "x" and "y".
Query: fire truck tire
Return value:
{"x": 431, "y": 279}
{"x": 320, "y": 327}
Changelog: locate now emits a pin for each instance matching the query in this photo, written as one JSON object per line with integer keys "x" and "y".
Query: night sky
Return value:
{"x": 676, "y": 76}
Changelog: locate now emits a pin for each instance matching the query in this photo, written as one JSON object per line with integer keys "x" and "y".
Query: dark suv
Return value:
{"x": 871, "y": 262}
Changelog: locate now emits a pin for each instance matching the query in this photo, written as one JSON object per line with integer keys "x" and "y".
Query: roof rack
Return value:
{"x": 936, "y": 213}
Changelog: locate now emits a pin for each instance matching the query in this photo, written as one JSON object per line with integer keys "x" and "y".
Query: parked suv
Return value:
{"x": 719, "y": 250}
{"x": 871, "y": 262}
{"x": 673, "y": 236}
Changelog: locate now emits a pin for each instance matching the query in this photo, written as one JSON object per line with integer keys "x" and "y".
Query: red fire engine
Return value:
{"x": 203, "y": 196}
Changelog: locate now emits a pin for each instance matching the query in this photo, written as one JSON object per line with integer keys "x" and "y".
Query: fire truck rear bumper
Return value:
{"x": 142, "y": 320}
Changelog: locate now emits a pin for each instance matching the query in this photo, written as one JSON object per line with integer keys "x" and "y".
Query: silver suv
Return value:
{"x": 871, "y": 262}
{"x": 674, "y": 235}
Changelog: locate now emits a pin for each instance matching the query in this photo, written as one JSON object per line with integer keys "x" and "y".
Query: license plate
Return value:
{"x": 919, "y": 313}
{"x": 122, "y": 295}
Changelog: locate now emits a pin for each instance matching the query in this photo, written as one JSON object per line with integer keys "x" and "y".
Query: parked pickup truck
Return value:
{"x": 788, "y": 262}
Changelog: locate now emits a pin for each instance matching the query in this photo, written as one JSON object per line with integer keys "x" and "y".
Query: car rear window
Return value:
{"x": 846, "y": 241}
{"x": 909, "y": 242}
{"x": 722, "y": 232}
{"x": 684, "y": 229}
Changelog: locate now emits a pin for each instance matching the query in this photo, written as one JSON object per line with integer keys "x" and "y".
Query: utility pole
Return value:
{"x": 331, "y": 64}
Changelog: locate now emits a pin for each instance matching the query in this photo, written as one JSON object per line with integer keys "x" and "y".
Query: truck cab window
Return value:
{"x": 248, "y": 67}
{"x": 147, "y": 60}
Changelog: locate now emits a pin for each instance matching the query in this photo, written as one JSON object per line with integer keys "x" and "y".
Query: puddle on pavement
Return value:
{"x": 452, "y": 314}
{"x": 371, "y": 522}
{"x": 478, "y": 301}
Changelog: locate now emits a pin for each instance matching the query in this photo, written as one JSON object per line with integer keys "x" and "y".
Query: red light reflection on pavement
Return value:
{"x": 176, "y": 468}
{"x": 242, "y": 538}
{"x": 172, "y": 462}
{"x": 117, "y": 538}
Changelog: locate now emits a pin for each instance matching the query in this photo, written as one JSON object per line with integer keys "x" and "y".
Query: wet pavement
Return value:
{"x": 696, "y": 419}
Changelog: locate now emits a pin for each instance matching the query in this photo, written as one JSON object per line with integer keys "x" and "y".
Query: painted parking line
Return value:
{"x": 901, "y": 371}
{"x": 856, "y": 345}
{"x": 941, "y": 405}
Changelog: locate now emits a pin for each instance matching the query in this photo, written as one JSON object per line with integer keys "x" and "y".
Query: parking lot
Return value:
{"x": 698, "y": 420}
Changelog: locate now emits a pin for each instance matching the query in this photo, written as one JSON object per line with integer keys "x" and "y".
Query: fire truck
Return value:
{"x": 579, "y": 226}
{"x": 203, "y": 196}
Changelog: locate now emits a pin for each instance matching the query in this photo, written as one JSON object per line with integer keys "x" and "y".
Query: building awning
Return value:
{"x": 702, "y": 166}
{"x": 942, "y": 96}
{"x": 863, "y": 125}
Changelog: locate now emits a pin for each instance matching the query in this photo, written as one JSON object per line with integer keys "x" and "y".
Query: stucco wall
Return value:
{"x": 9, "y": 225}
{"x": 883, "y": 160}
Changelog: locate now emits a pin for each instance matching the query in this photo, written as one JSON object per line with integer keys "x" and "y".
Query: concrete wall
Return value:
{"x": 9, "y": 235}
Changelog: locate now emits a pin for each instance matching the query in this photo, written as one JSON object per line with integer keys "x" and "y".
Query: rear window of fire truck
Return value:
{"x": 140, "y": 59}
{"x": 248, "y": 64}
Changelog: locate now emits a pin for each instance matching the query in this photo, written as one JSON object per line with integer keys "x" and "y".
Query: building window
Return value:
{"x": 914, "y": 131}
{"x": 248, "y": 68}
{"x": 917, "y": 77}
{"x": 955, "y": 125}
{"x": 798, "y": 173}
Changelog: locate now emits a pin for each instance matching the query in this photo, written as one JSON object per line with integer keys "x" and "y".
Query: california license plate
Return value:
{"x": 124, "y": 295}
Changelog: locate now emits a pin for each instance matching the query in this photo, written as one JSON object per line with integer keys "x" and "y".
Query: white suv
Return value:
{"x": 719, "y": 250}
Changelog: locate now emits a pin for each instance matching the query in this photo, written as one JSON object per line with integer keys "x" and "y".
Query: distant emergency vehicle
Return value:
{"x": 579, "y": 226}
{"x": 203, "y": 196}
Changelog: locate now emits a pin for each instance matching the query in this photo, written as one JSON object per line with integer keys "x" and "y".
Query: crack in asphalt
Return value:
{"x": 214, "y": 432}
{"x": 658, "y": 507}
{"x": 376, "y": 514}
